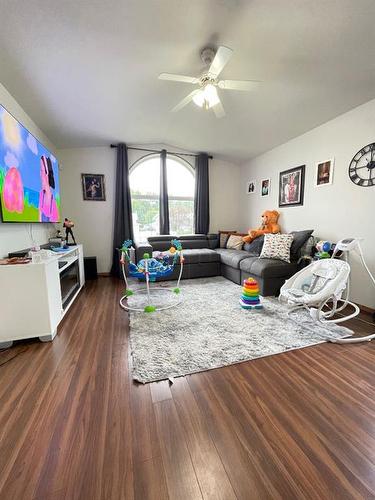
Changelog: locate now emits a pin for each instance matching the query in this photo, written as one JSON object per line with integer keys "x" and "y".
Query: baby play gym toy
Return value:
{"x": 149, "y": 269}
{"x": 250, "y": 295}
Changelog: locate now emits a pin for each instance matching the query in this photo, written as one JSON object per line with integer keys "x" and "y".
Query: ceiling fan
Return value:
{"x": 206, "y": 95}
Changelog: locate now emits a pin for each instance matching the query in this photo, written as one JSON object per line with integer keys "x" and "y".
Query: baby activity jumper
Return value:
{"x": 149, "y": 269}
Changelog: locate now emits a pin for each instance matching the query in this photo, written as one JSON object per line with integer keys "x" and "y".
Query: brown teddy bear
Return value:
{"x": 269, "y": 225}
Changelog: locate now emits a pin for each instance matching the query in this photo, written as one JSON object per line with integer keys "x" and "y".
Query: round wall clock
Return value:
{"x": 362, "y": 167}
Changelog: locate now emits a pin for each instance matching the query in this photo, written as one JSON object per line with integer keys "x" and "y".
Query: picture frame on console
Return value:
{"x": 93, "y": 187}
{"x": 324, "y": 172}
{"x": 291, "y": 187}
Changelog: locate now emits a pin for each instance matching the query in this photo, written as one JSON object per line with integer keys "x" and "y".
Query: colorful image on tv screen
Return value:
{"x": 29, "y": 175}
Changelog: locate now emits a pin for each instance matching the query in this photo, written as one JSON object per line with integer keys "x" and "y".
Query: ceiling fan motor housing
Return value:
{"x": 208, "y": 55}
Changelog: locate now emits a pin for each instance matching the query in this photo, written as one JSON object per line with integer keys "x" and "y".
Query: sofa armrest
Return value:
{"x": 141, "y": 248}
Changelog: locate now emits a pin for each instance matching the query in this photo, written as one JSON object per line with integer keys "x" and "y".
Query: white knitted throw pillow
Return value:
{"x": 277, "y": 246}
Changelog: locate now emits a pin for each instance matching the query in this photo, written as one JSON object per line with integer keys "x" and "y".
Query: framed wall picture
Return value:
{"x": 324, "y": 173}
{"x": 291, "y": 186}
{"x": 265, "y": 187}
{"x": 250, "y": 188}
{"x": 93, "y": 187}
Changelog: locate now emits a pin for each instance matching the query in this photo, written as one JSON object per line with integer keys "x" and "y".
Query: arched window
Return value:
{"x": 144, "y": 187}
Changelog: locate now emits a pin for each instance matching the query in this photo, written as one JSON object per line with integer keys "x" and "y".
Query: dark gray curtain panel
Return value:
{"x": 202, "y": 200}
{"x": 163, "y": 195}
{"x": 123, "y": 224}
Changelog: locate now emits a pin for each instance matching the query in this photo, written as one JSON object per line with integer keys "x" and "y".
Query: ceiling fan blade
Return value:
{"x": 238, "y": 84}
{"x": 218, "y": 110}
{"x": 178, "y": 78}
{"x": 185, "y": 101}
{"x": 221, "y": 58}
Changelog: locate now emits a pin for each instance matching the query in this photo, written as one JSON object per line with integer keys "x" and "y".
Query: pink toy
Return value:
{"x": 13, "y": 191}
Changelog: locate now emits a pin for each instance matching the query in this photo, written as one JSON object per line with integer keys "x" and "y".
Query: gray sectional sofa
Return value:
{"x": 204, "y": 258}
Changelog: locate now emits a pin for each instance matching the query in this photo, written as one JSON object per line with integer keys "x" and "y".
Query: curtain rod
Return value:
{"x": 159, "y": 151}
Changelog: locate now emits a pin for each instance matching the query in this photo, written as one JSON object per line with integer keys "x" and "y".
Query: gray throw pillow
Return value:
{"x": 255, "y": 247}
{"x": 299, "y": 239}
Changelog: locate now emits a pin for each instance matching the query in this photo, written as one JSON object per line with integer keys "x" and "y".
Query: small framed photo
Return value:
{"x": 291, "y": 186}
{"x": 251, "y": 185}
{"x": 265, "y": 187}
{"x": 324, "y": 173}
{"x": 93, "y": 187}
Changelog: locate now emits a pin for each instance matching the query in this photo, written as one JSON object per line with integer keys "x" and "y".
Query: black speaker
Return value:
{"x": 91, "y": 271}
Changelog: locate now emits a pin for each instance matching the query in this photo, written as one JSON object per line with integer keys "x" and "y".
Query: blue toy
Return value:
{"x": 323, "y": 249}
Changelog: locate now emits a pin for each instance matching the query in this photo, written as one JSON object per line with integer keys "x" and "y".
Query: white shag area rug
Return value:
{"x": 209, "y": 329}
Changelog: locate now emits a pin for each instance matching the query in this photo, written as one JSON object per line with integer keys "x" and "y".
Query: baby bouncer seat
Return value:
{"x": 322, "y": 288}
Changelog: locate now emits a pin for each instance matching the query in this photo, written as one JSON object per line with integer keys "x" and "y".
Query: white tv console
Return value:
{"x": 35, "y": 297}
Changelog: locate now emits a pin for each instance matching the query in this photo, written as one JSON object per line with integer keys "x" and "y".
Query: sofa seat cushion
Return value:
{"x": 268, "y": 268}
{"x": 231, "y": 257}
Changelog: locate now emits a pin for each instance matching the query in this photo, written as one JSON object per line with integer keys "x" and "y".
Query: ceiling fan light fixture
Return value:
{"x": 199, "y": 98}
{"x": 207, "y": 97}
{"x": 211, "y": 95}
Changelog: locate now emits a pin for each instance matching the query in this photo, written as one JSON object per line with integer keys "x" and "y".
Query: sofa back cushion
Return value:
{"x": 162, "y": 242}
{"x": 202, "y": 243}
{"x": 194, "y": 241}
{"x": 299, "y": 240}
{"x": 213, "y": 240}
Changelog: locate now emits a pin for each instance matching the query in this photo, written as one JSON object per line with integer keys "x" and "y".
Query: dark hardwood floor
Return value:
{"x": 73, "y": 425}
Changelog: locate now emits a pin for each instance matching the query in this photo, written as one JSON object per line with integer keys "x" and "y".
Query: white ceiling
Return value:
{"x": 86, "y": 70}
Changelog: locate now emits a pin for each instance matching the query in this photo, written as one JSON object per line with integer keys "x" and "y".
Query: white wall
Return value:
{"x": 224, "y": 196}
{"x": 94, "y": 220}
{"x": 15, "y": 236}
{"x": 334, "y": 212}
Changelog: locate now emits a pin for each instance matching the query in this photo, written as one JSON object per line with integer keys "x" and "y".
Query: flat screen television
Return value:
{"x": 29, "y": 175}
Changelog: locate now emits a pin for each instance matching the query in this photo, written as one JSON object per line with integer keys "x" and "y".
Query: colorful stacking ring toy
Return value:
{"x": 250, "y": 295}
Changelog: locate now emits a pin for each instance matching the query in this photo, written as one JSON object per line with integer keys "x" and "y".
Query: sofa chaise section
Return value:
{"x": 230, "y": 263}
{"x": 269, "y": 273}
